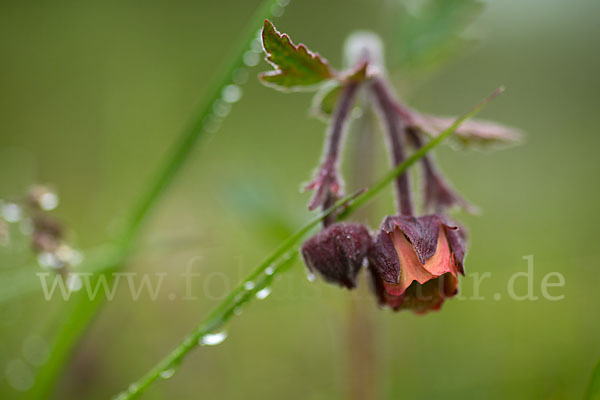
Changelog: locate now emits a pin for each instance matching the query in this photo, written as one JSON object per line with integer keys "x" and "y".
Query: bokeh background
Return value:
{"x": 92, "y": 95}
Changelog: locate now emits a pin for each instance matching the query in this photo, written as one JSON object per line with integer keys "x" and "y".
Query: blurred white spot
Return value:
{"x": 74, "y": 282}
{"x": 49, "y": 260}
{"x": 19, "y": 375}
{"x": 251, "y": 58}
{"x": 232, "y": 93}
{"x": 35, "y": 350}
{"x": 212, "y": 339}
{"x": 263, "y": 293}
{"x": 221, "y": 108}
{"x": 167, "y": 373}
{"x": 48, "y": 201}
{"x": 11, "y": 212}
{"x": 277, "y": 10}
{"x": 256, "y": 45}
{"x": 240, "y": 76}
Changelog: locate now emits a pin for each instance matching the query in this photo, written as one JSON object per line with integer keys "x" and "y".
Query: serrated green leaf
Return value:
{"x": 325, "y": 99}
{"x": 593, "y": 389}
{"x": 296, "y": 67}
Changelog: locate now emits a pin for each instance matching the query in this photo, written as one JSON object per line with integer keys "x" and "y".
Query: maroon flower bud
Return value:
{"x": 338, "y": 252}
{"x": 415, "y": 262}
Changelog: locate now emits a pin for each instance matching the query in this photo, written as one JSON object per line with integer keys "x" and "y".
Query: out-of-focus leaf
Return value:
{"x": 593, "y": 389}
{"x": 325, "y": 99}
{"x": 471, "y": 133}
{"x": 296, "y": 67}
{"x": 425, "y": 36}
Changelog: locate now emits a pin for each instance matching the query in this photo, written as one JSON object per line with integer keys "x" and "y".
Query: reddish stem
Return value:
{"x": 327, "y": 184}
{"x": 395, "y": 129}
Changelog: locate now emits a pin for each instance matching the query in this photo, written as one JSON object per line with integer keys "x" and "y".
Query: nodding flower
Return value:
{"x": 337, "y": 253}
{"x": 415, "y": 262}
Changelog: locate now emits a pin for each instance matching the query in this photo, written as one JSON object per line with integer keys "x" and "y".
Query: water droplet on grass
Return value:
{"x": 251, "y": 58}
{"x": 167, "y": 373}
{"x": 263, "y": 293}
{"x": 19, "y": 375}
{"x": 232, "y": 93}
{"x": 249, "y": 285}
{"x": 269, "y": 271}
{"x": 212, "y": 339}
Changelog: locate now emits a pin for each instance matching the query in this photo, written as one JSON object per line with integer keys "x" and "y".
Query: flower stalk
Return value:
{"x": 395, "y": 131}
{"x": 327, "y": 184}
{"x": 277, "y": 260}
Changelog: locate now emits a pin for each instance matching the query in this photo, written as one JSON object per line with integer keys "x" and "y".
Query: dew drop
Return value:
{"x": 269, "y": 271}
{"x": 251, "y": 58}
{"x": 133, "y": 388}
{"x": 256, "y": 45}
{"x": 232, "y": 93}
{"x": 240, "y": 76}
{"x": 263, "y": 293}
{"x": 49, "y": 260}
{"x": 212, "y": 339}
{"x": 249, "y": 285}
{"x": 310, "y": 276}
{"x": 238, "y": 311}
{"x": 277, "y": 10}
{"x": 211, "y": 124}
{"x": 11, "y": 212}
{"x": 35, "y": 350}
{"x": 221, "y": 108}
{"x": 48, "y": 201}
{"x": 19, "y": 375}
{"x": 167, "y": 373}
{"x": 74, "y": 282}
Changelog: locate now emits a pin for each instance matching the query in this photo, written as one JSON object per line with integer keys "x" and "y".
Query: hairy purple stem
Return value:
{"x": 438, "y": 192}
{"x": 427, "y": 160}
{"x": 395, "y": 127}
{"x": 327, "y": 184}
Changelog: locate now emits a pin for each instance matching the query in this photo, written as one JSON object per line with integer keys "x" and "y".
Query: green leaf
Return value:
{"x": 593, "y": 390}
{"x": 296, "y": 67}
{"x": 327, "y": 97}
{"x": 427, "y": 36}
{"x": 325, "y": 100}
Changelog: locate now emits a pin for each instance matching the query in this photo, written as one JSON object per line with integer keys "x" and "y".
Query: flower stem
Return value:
{"x": 327, "y": 183}
{"x": 395, "y": 130}
{"x": 277, "y": 260}
{"x": 416, "y": 156}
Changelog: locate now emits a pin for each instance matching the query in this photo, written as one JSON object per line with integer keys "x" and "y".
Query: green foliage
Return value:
{"x": 296, "y": 67}
{"x": 430, "y": 34}
{"x": 325, "y": 99}
{"x": 593, "y": 390}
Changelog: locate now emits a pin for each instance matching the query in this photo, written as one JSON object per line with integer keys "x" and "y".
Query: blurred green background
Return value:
{"x": 92, "y": 95}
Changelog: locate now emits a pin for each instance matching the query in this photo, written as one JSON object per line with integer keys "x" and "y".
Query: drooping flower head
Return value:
{"x": 337, "y": 253}
{"x": 415, "y": 262}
